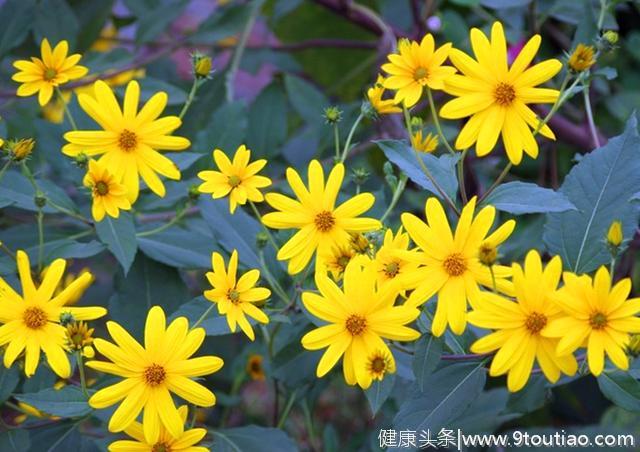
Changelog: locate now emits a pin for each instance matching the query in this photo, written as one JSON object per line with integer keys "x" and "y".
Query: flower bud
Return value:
{"x": 193, "y": 193}
{"x": 21, "y": 149}
{"x": 261, "y": 240}
{"x": 332, "y": 115}
{"x": 360, "y": 176}
{"x": 615, "y": 234}
{"x": 66, "y": 318}
{"x": 611, "y": 37}
{"x": 582, "y": 58}
{"x": 487, "y": 254}
{"x": 633, "y": 348}
{"x": 40, "y": 200}
{"x": 81, "y": 160}
{"x": 201, "y": 65}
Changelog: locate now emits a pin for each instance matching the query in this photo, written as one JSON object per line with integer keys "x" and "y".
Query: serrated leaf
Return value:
{"x": 622, "y": 389}
{"x": 379, "y": 392}
{"x": 443, "y": 168}
{"x": 68, "y": 401}
{"x": 524, "y": 197}
{"x": 119, "y": 234}
{"x": 426, "y": 358}
{"x": 600, "y": 187}
{"x": 252, "y": 437}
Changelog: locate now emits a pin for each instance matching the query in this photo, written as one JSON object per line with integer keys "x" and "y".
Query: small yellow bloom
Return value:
{"x": 165, "y": 442}
{"x": 130, "y": 139}
{"x": 597, "y": 316}
{"x": 54, "y": 110}
{"x": 417, "y": 66}
{"x": 582, "y": 58}
{"x": 42, "y": 75}
{"x": 321, "y": 224}
{"x": 202, "y": 66}
{"x": 255, "y": 369}
{"x": 238, "y": 179}
{"x": 359, "y": 317}
{"x": 382, "y": 106}
{"x": 151, "y": 374}
{"x": 379, "y": 363}
{"x": 427, "y": 144}
{"x": 335, "y": 260}
{"x": 615, "y": 234}
{"x": 31, "y": 321}
{"x": 79, "y": 336}
{"x": 519, "y": 326}
{"x": 21, "y": 149}
{"x": 389, "y": 265}
{"x": 236, "y": 297}
{"x": 109, "y": 196}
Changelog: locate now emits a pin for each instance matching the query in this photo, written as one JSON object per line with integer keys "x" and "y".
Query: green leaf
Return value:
{"x": 16, "y": 19}
{"x": 449, "y": 391}
{"x": 223, "y": 22}
{"x": 63, "y": 25}
{"x": 237, "y": 231}
{"x": 306, "y": 99}
{"x": 92, "y": 17}
{"x": 267, "y": 127}
{"x": 147, "y": 284}
{"x": 58, "y": 437}
{"x": 443, "y": 168}
{"x": 600, "y": 187}
{"x": 179, "y": 247}
{"x": 155, "y": 20}
{"x": 68, "y": 401}
{"x": 530, "y": 398}
{"x": 622, "y": 389}
{"x": 227, "y": 130}
{"x": 9, "y": 379}
{"x": 379, "y": 392}
{"x": 252, "y": 438}
{"x": 16, "y": 190}
{"x": 15, "y": 440}
{"x": 119, "y": 234}
{"x": 524, "y": 197}
{"x": 426, "y": 358}
{"x": 485, "y": 414}
{"x": 150, "y": 86}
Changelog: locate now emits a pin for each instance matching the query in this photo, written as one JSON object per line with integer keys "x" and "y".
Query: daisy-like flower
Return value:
{"x": 31, "y": 321}
{"x": 520, "y": 326}
{"x": 130, "y": 139}
{"x": 495, "y": 96}
{"x": 335, "y": 260}
{"x": 238, "y": 179}
{"x": 417, "y": 67}
{"x": 152, "y": 373}
{"x": 186, "y": 442}
{"x": 236, "y": 297}
{"x": 321, "y": 224}
{"x": 379, "y": 363}
{"x": 359, "y": 316}
{"x": 109, "y": 195}
{"x": 428, "y": 143}
{"x": 451, "y": 265}
{"x": 42, "y": 75}
{"x": 582, "y": 58}
{"x": 388, "y": 264}
{"x": 597, "y": 316}
{"x": 380, "y": 105}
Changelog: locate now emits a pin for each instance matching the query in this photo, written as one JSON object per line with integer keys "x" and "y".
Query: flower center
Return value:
{"x": 154, "y": 375}
{"x": 127, "y": 140}
{"x": 356, "y": 324}
{"x": 325, "y": 221}
{"x": 421, "y": 74}
{"x": 343, "y": 261}
{"x": 504, "y": 94}
{"x": 391, "y": 269}
{"x": 101, "y": 188}
{"x": 34, "y": 318}
{"x": 161, "y": 447}
{"x": 234, "y": 296}
{"x": 378, "y": 364}
{"x": 234, "y": 181}
{"x": 455, "y": 264}
{"x": 598, "y": 320}
{"x": 50, "y": 74}
{"x": 535, "y": 322}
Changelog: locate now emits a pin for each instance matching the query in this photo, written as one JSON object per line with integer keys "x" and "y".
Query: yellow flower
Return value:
{"x": 67, "y": 280}
{"x": 520, "y": 326}
{"x": 335, "y": 260}
{"x": 31, "y": 322}
{"x": 165, "y": 442}
{"x": 42, "y": 75}
{"x": 582, "y": 58}
{"x": 105, "y": 41}
{"x": 117, "y": 79}
{"x": 496, "y": 97}
{"x": 238, "y": 179}
{"x": 255, "y": 369}
{"x": 451, "y": 265}
{"x": 416, "y": 67}
{"x": 379, "y": 363}
{"x": 236, "y": 297}
{"x": 597, "y": 316}
{"x": 109, "y": 196}
{"x": 382, "y": 106}
{"x": 30, "y": 410}
{"x": 152, "y": 373}
{"x": 131, "y": 139}
{"x": 427, "y": 144}
{"x": 615, "y": 234}
{"x": 359, "y": 316}
{"x": 21, "y": 149}
{"x": 321, "y": 224}
{"x": 54, "y": 110}
{"x": 389, "y": 265}
{"x": 79, "y": 336}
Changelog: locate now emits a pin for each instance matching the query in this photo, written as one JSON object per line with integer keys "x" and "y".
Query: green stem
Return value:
{"x": 396, "y": 197}
{"x": 336, "y": 136}
{"x": 242, "y": 43}
{"x": 308, "y": 421}
{"x": 270, "y": 237}
{"x": 347, "y": 144}
{"x": 39, "y": 214}
{"x": 83, "y": 379}
{"x": 463, "y": 189}
{"x": 287, "y": 408}
{"x": 562, "y": 97}
{"x": 603, "y": 11}
{"x": 612, "y": 266}
{"x": 68, "y": 212}
{"x": 179, "y": 215}
{"x": 275, "y": 285}
{"x": 587, "y": 107}
{"x": 235, "y": 387}
{"x": 4, "y": 169}
{"x": 79, "y": 235}
{"x": 500, "y": 178}
{"x": 65, "y": 106}
{"x": 203, "y": 316}
{"x": 192, "y": 95}
{"x": 436, "y": 122}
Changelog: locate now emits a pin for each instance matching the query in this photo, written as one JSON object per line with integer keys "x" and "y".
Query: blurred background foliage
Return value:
{"x": 269, "y": 92}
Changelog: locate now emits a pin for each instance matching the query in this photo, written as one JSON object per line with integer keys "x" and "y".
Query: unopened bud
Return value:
{"x": 202, "y": 68}
{"x": 261, "y": 240}
{"x": 487, "y": 254}
{"x": 332, "y": 115}
{"x": 21, "y": 149}
{"x": 193, "y": 193}
{"x": 611, "y": 37}
{"x": 615, "y": 234}
{"x": 81, "y": 160}
{"x": 66, "y": 318}
{"x": 360, "y": 176}
{"x": 40, "y": 200}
